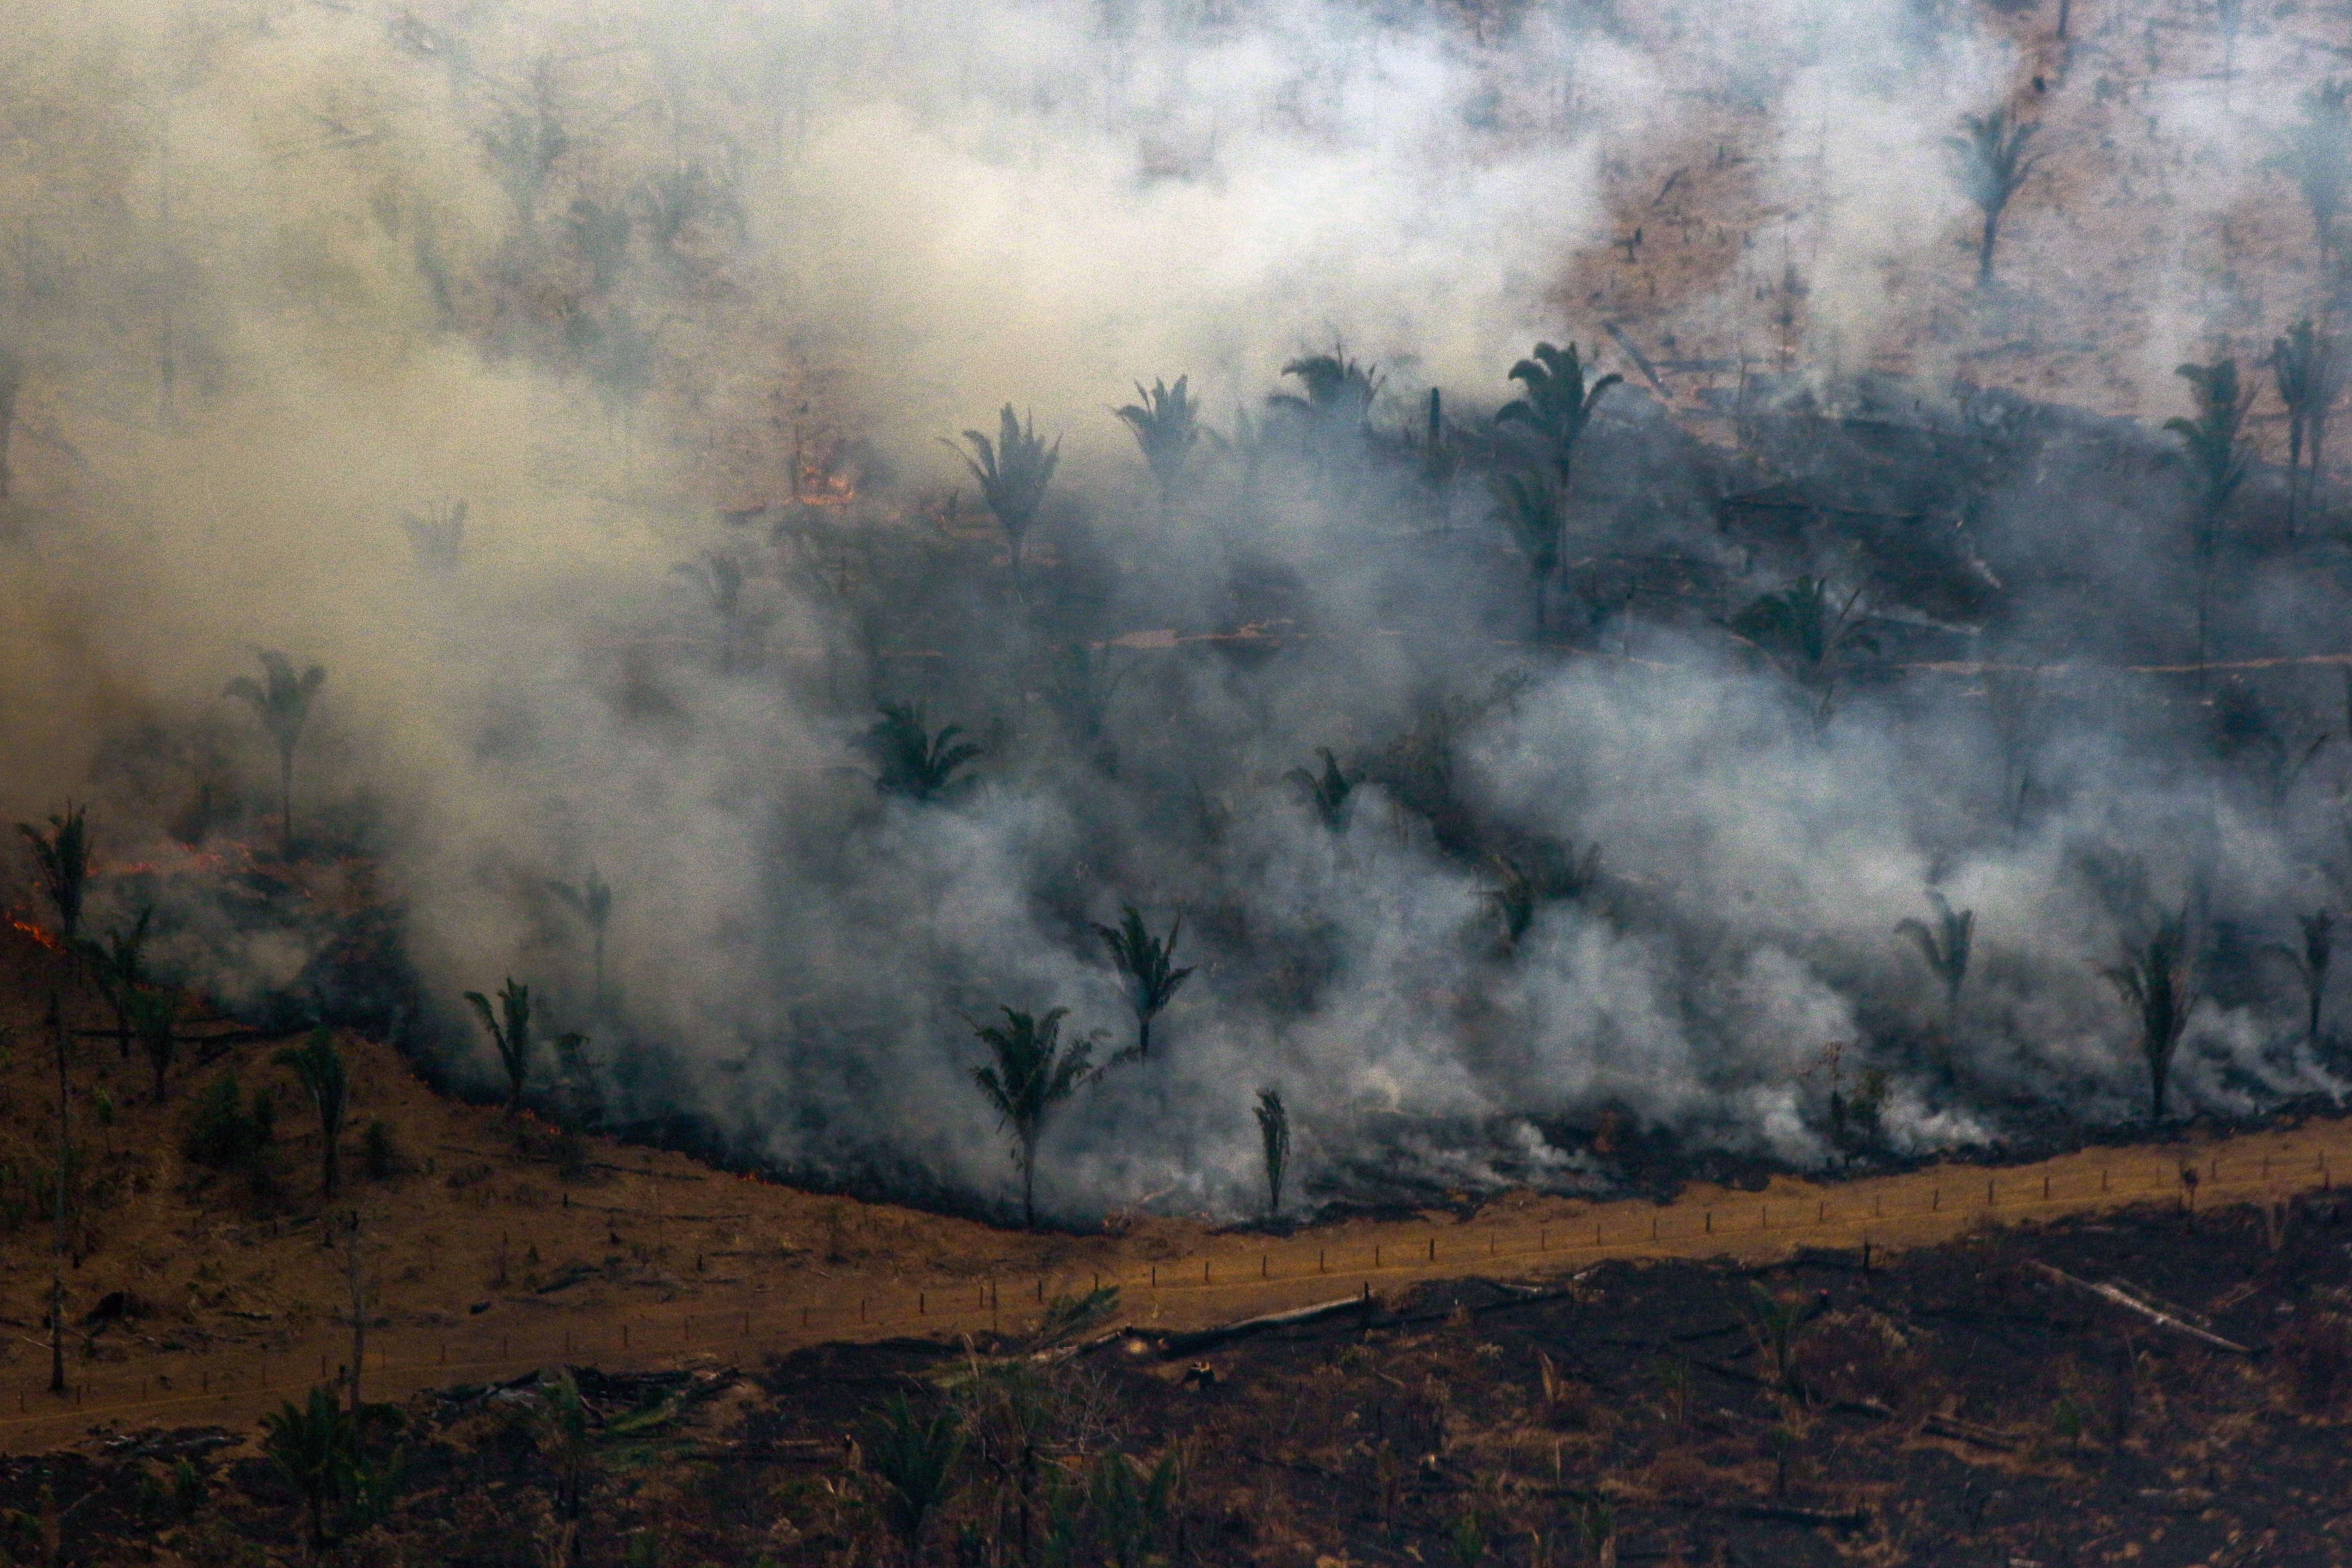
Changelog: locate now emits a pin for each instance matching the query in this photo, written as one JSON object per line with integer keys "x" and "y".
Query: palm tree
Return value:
{"x": 1032, "y": 1074}
{"x": 1328, "y": 791}
{"x": 1014, "y": 472}
{"x": 1557, "y": 405}
{"x": 1144, "y": 960}
{"x": 570, "y": 1442}
{"x": 914, "y": 1459}
{"x": 114, "y": 964}
{"x": 154, "y": 1013}
{"x": 591, "y": 900}
{"x": 1551, "y": 871}
{"x": 283, "y": 706}
{"x": 316, "y": 1445}
{"x": 2156, "y": 981}
{"x": 2316, "y": 154}
{"x": 513, "y": 1041}
{"x": 1273, "y": 1136}
{"x": 1990, "y": 162}
{"x": 2220, "y": 456}
{"x": 319, "y": 1066}
{"x": 2304, "y": 364}
{"x": 1530, "y": 504}
{"x": 1946, "y": 947}
{"x": 2311, "y": 965}
{"x": 1807, "y": 630}
{"x": 910, "y": 760}
{"x": 1339, "y": 392}
{"x": 1167, "y": 425}
{"x": 62, "y": 855}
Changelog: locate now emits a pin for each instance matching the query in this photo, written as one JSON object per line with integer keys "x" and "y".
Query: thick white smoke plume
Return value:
{"x": 571, "y": 382}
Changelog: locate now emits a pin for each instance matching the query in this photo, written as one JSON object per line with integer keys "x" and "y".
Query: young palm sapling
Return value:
{"x": 319, "y": 1066}
{"x": 1031, "y": 1075}
{"x": 1328, "y": 791}
{"x": 115, "y": 964}
{"x": 1531, "y": 505}
{"x": 283, "y": 706}
{"x": 316, "y": 1445}
{"x": 154, "y": 1013}
{"x": 1809, "y": 631}
{"x": 2157, "y": 981}
{"x": 62, "y": 856}
{"x": 913, "y": 1458}
{"x": 1274, "y": 1138}
{"x": 513, "y": 1040}
{"x": 1144, "y": 962}
{"x": 1339, "y": 393}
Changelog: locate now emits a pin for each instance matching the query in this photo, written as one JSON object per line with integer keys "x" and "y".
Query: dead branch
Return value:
{"x": 2131, "y": 1304}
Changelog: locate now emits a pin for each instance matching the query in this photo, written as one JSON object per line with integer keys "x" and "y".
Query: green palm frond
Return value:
{"x": 1013, "y": 471}
{"x": 1327, "y": 791}
{"x": 511, "y": 1039}
{"x": 2157, "y": 981}
{"x": 912, "y": 763}
{"x": 1166, "y": 423}
{"x": 62, "y": 856}
{"x": 1557, "y": 402}
{"x": 1144, "y": 961}
{"x": 1031, "y": 1073}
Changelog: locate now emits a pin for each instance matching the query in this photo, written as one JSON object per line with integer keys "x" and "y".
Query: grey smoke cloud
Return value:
{"x": 295, "y": 293}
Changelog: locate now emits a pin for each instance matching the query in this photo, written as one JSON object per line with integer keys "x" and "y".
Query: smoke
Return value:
{"x": 572, "y": 387}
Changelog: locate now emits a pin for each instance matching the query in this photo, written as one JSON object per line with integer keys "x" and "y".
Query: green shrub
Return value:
{"x": 227, "y": 1133}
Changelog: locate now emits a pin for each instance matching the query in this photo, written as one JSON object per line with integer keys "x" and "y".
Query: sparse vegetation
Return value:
{"x": 1809, "y": 630}
{"x": 115, "y": 964}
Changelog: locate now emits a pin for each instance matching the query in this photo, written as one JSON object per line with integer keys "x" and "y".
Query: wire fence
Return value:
{"x": 1184, "y": 1291}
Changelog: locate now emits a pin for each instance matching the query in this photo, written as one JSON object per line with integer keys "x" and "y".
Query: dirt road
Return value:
{"x": 742, "y": 1311}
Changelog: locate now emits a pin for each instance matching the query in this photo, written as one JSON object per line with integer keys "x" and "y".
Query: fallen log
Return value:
{"x": 1176, "y": 1345}
{"x": 2132, "y": 1304}
{"x": 1961, "y": 1431}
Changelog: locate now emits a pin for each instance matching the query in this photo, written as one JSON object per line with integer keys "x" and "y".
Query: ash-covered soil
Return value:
{"x": 1957, "y": 1403}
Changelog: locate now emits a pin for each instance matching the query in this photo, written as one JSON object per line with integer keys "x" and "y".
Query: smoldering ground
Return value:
{"x": 570, "y": 385}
